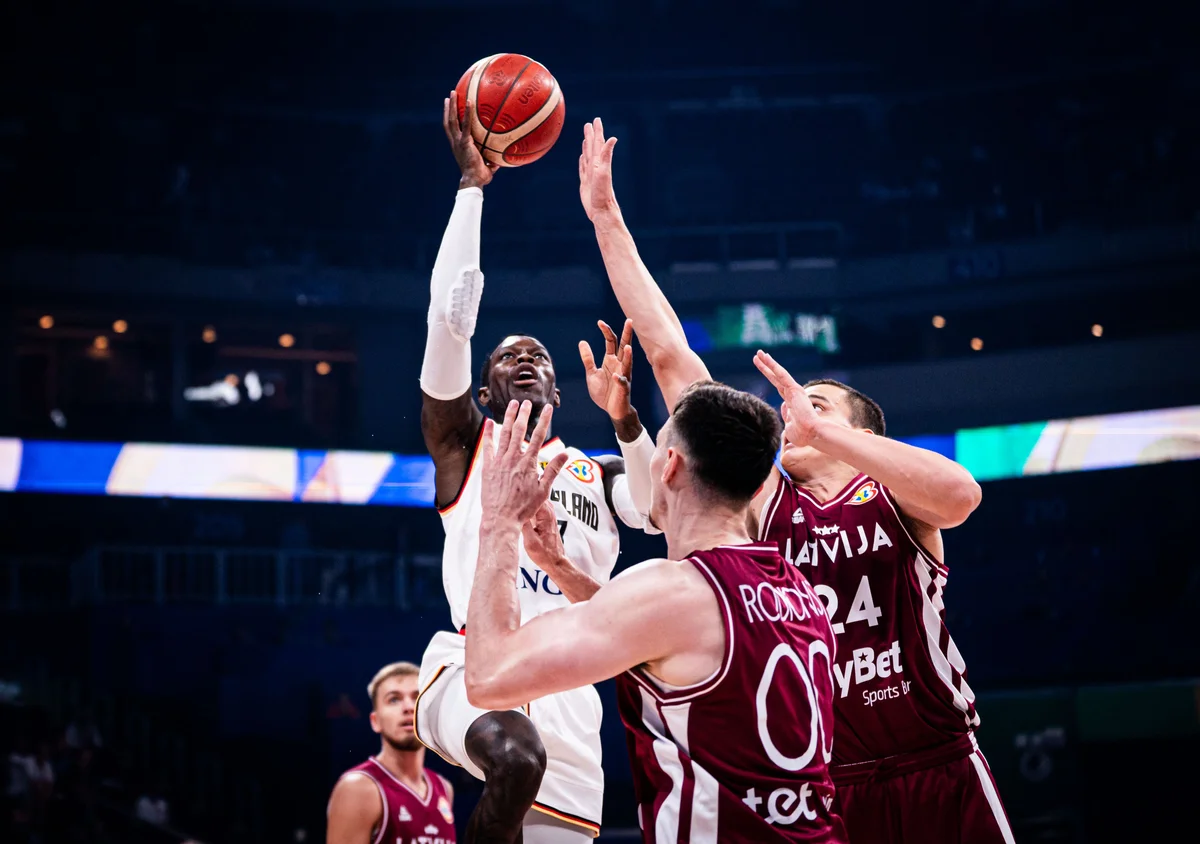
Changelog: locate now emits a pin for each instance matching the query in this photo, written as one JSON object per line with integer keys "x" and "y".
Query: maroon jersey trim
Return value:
{"x": 837, "y": 499}
{"x": 396, "y": 780}
{"x": 383, "y": 821}
{"x": 767, "y": 514}
{"x": 921, "y": 549}
{"x": 685, "y": 693}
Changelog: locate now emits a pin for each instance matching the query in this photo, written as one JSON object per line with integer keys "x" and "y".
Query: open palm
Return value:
{"x": 608, "y": 383}
{"x": 595, "y": 171}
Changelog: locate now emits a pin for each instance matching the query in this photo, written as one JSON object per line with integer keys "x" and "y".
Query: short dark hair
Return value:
{"x": 729, "y": 436}
{"x": 865, "y": 412}
{"x": 485, "y": 371}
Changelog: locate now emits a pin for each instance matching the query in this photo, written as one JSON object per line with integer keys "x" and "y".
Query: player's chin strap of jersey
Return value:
{"x": 455, "y": 289}
{"x": 631, "y": 491}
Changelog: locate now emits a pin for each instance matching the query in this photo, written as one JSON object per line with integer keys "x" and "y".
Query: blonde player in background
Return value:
{"x": 540, "y": 760}
{"x": 392, "y": 796}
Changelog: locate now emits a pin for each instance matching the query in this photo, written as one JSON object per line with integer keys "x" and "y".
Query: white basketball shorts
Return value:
{"x": 568, "y": 723}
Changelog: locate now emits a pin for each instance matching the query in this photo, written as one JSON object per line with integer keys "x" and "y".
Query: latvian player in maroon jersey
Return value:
{"x": 723, "y": 653}
{"x": 860, "y": 516}
{"x": 392, "y": 797}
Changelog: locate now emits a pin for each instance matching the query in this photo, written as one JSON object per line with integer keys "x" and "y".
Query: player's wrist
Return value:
{"x": 608, "y": 219}
{"x": 469, "y": 181}
{"x": 628, "y": 425}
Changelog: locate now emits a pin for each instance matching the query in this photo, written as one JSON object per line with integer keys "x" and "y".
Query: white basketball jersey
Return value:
{"x": 588, "y": 530}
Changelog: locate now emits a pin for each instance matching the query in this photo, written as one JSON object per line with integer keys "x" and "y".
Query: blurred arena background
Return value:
{"x": 217, "y": 223}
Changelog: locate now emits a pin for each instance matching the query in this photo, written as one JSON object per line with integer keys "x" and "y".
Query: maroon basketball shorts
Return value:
{"x": 943, "y": 795}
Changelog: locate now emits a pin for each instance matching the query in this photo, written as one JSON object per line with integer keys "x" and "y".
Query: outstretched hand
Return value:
{"x": 595, "y": 172}
{"x": 608, "y": 384}
{"x": 476, "y": 172}
{"x": 512, "y": 488}
{"x": 799, "y": 416}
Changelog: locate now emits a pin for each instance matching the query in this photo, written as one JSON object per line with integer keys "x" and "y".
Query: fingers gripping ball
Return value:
{"x": 519, "y": 108}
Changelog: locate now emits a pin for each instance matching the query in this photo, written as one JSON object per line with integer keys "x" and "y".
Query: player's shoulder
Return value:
{"x": 676, "y": 582}
{"x": 356, "y": 791}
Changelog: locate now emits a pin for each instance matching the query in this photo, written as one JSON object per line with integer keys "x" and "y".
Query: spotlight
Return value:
{"x": 1097, "y": 330}
{"x": 976, "y": 343}
{"x": 323, "y": 367}
{"x": 209, "y": 335}
{"x": 939, "y": 321}
{"x": 46, "y": 322}
{"x": 120, "y": 326}
{"x": 100, "y": 343}
{"x": 287, "y": 340}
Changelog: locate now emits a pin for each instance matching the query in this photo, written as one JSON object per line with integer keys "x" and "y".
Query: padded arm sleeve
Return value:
{"x": 631, "y": 491}
{"x": 455, "y": 289}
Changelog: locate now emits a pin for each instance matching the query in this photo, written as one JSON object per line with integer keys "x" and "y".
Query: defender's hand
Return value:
{"x": 595, "y": 172}
{"x": 608, "y": 384}
{"x": 476, "y": 172}
{"x": 799, "y": 416}
{"x": 512, "y": 489}
{"x": 543, "y": 542}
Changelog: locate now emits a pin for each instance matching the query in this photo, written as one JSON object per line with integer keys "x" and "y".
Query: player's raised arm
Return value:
{"x": 931, "y": 489}
{"x": 658, "y": 328}
{"x": 626, "y": 478}
{"x": 450, "y": 418}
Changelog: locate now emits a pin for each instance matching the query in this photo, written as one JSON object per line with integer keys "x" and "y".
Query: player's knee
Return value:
{"x": 507, "y": 745}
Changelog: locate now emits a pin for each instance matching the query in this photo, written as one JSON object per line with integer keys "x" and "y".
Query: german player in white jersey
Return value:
{"x": 541, "y": 761}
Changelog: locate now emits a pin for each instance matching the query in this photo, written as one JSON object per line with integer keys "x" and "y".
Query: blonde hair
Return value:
{"x": 395, "y": 669}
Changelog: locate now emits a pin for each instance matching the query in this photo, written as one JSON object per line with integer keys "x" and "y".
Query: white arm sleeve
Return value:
{"x": 631, "y": 491}
{"x": 455, "y": 289}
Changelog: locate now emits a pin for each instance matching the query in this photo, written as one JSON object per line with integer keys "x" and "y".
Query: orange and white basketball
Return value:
{"x": 519, "y": 108}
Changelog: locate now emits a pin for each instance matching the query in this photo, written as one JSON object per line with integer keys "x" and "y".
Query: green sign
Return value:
{"x": 753, "y": 325}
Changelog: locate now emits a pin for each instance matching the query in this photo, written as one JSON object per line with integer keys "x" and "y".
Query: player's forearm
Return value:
{"x": 455, "y": 288}
{"x": 493, "y": 616}
{"x": 931, "y": 488}
{"x": 575, "y": 585}
{"x": 657, "y": 325}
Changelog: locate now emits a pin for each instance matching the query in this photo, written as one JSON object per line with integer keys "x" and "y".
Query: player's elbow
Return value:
{"x": 960, "y": 500}
{"x": 485, "y": 689}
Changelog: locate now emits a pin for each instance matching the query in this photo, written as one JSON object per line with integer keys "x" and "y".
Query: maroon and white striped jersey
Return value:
{"x": 743, "y": 756}
{"x": 408, "y": 819}
{"x": 901, "y": 682}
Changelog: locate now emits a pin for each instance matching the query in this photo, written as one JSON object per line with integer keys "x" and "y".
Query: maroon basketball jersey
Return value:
{"x": 407, "y": 819}
{"x": 743, "y": 756}
{"x": 901, "y": 684}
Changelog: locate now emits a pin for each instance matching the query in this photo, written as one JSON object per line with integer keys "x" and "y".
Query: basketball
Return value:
{"x": 519, "y": 108}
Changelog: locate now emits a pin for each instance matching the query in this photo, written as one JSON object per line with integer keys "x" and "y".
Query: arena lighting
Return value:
{"x": 209, "y": 335}
{"x": 120, "y": 326}
{"x": 939, "y": 321}
{"x": 976, "y": 343}
{"x": 287, "y": 340}
{"x": 46, "y": 322}
{"x": 100, "y": 343}
{"x": 1097, "y": 330}
{"x": 378, "y": 477}
{"x": 323, "y": 367}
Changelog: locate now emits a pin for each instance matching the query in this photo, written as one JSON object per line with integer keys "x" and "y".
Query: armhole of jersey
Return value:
{"x": 383, "y": 815}
{"x": 767, "y": 513}
{"x": 937, "y": 564}
{"x": 442, "y": 511}
{"x": 681, "y": 694}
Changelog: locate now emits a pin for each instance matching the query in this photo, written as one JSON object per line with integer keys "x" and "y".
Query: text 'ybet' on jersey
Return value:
{"x": 901, "y": 681}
